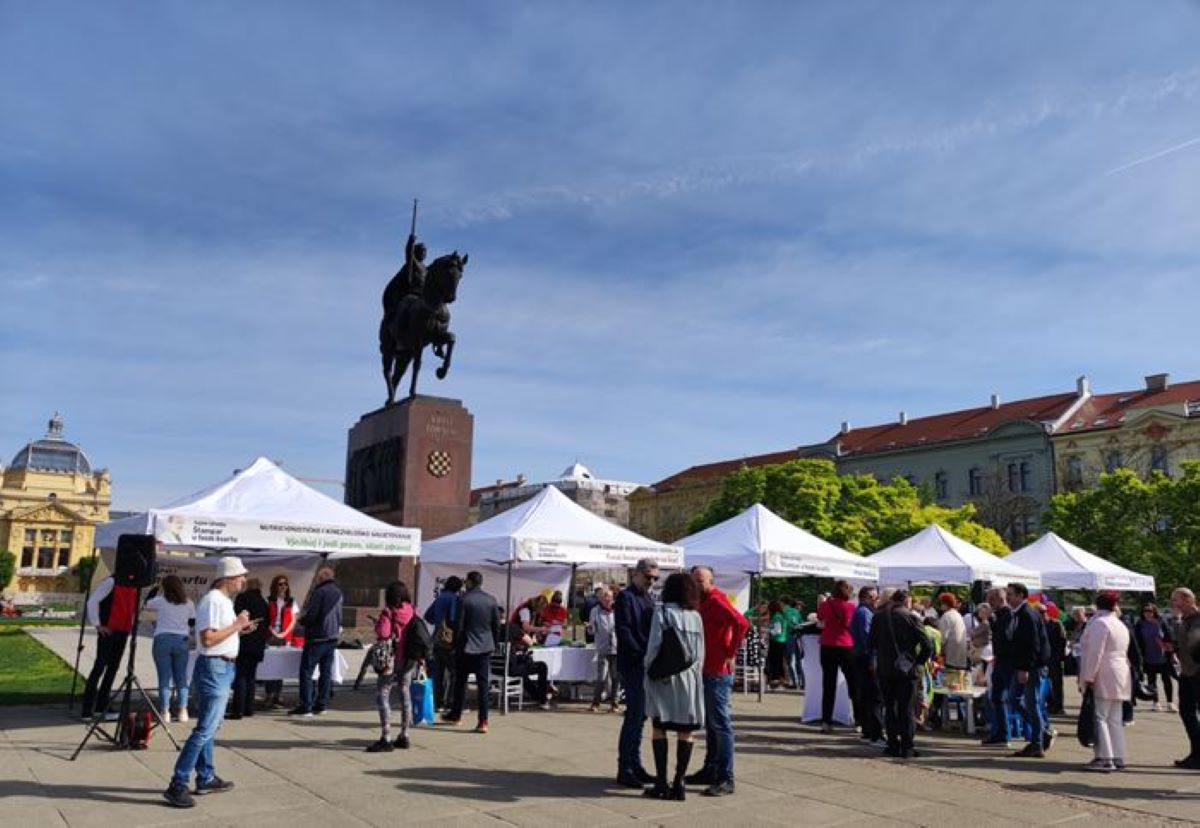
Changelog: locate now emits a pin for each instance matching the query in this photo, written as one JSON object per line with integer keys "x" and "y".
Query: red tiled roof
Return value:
{"x": 955, "y": 425}
{"x": 1108, "y": 410}
{"x": 709, "y": 471}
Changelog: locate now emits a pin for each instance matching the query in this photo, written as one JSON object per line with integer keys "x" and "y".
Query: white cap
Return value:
{"x": 230, "y": 567}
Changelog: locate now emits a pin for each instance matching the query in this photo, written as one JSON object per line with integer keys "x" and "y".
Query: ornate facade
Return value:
{"x": 50, "y": 504}
{"x": 606, "y": 498}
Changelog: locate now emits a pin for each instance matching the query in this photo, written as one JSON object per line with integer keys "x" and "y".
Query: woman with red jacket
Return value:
{"x": 397, "y": 612}
{"x": 837, "y": 648}
{"x": 282, "y": 613}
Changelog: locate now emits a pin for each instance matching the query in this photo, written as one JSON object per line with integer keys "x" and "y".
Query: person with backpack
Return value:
{"x": 1029, "y": 652}
{"x": 394, "y": 669}
{"x": 901, "y": 647}
{"x": 440, "y": 615}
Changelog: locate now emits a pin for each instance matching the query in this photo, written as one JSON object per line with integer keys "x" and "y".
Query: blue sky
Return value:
{"x": 696, "y": 230}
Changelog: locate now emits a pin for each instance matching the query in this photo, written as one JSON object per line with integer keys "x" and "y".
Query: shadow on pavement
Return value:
{"x": 87, "y": 793}
{"x": 495, "y": 785}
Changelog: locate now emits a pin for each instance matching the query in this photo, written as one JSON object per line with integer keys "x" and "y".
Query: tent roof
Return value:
{"x": 549, "y": 528}
{"x": 1064, "y": 565}
{"x": 934, "y": 556}
{"x": 263, "y": 507}
{"x": 759, "y": 541}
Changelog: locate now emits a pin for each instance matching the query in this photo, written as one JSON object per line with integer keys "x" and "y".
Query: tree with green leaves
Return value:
{"x": 1148, "y": 525}
{"x": 8, "y": 567}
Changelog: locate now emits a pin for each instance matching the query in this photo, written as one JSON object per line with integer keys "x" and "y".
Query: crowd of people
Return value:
{"x": 672, "y": 661}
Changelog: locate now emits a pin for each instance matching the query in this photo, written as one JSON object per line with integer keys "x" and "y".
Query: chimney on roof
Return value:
{"x": 1158, "y": 382}
{"x": 521, "y": 478}
{"x": 845, "y": 427}
{"x": 995, "y": 400}
{"x": 903, "y": 418}
{"x": 1083, "y": 386}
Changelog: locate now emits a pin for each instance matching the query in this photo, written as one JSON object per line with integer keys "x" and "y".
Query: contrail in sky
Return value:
{"x": 1149, "y": 158}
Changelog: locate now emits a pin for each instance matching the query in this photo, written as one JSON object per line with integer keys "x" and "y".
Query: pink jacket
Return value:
{"x": 398, "y": 618}
{"x": 1103, "y": 659}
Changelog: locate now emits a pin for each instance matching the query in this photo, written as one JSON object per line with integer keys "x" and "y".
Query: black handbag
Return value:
{"x": 1085, "y": 728}
{"x": 672, "y": 658}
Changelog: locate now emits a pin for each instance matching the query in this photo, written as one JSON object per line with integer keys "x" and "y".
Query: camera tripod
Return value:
{"x": 123, "y": 736}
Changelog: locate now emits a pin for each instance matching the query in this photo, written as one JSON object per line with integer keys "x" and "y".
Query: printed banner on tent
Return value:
{"x": 217, "y": 532}
{"x": 807, "y": 565}
{"x": 596, "y": 554}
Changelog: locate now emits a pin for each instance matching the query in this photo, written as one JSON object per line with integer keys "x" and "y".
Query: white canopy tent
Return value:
{"x": 934, "y": 556}
{"x": 759, "y": 542}
{"x": 1064, "y": 565}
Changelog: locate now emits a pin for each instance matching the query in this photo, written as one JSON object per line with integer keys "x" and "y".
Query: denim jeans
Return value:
{"x": 791, "y": 660}
{"x": 718, "y": 727}
{"x": 998, "y": 697}
{"x": 629, "y": 746}
{"x": 1031, "y": 701}
{"x": 316, "y": 654}
{"x": 211, "y": 679}
{"x": 170, "y": 660}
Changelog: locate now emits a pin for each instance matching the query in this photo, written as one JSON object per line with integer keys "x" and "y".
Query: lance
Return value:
{"x": 413, "y": 229}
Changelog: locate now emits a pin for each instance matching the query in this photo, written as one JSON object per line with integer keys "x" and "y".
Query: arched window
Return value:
{"x": 1159, "y": 460}
{"x": 1113, "y": 461}
{"x": 1074, "y": 472}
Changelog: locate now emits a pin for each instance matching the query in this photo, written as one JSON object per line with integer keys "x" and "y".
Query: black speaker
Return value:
{"x": 136, "y": 564}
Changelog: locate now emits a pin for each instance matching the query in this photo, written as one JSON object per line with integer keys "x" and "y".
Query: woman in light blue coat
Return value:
{"x": 675, "y": 702}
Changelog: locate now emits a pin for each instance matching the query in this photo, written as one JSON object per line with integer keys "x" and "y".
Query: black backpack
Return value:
{"x": 418, "y": 643}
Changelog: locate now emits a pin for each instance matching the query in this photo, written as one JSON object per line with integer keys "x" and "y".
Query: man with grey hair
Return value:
{"x": 634, "y": 611}
{"x": 1003, "y": 669}
{"x": 1187, "y": 646}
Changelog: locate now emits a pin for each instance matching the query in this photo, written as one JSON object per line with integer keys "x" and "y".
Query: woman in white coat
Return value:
{"x": 1104, "y": 668}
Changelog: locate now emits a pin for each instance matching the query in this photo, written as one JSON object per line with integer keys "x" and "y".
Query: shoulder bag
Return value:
{"x": 672, "y": 658}
{"x": 905, "y": 662}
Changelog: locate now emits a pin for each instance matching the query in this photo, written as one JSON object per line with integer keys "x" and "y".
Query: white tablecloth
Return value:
{"x": 811, "y": 664}
{"x": 568, "y": 663}
{"x": 283, "y": 664}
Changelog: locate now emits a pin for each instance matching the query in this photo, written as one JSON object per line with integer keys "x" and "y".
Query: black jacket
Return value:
{"x": 477, "y": 623}
{"x": 894, "y": 632}
{"x": 322, "y": 619}
{"x": 252, "y": 645}
{"x": 1028, "y": 644}
{"x": 1000, "y": 645}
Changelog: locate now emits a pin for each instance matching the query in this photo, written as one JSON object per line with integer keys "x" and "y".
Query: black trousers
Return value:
{"x": 1055, "y": 702}
{"x": 109, "y": 649}
{"x": 244, "y": 681}
{"x": 832, "y": 660}
{"x": 899, "y": 695}
{"x": 442, "y": 672}
{"x": 466, "y": 664}
{"x": 1167, "y": 672}
{"x": 524, "y": 666}
{"x": 868, "y": 711}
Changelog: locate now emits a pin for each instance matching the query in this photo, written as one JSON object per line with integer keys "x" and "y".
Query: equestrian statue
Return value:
{"x": 416, "y": 313}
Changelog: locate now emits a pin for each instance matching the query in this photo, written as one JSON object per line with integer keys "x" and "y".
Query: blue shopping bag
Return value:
{"x": 422, "y": 700}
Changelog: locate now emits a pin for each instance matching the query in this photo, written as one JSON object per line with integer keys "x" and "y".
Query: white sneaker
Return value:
{"x": 166, "y": 714}
{"x": 1157, "y": 708}
{"x": 1172, "y": 707}
{"x": 183, "y": 716}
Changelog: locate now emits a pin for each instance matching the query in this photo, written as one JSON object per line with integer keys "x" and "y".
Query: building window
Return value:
{"x": 941, "y": 486}
{"x": 45, "y": 559}
{"x": 1014, "y": 481}
{"x": 1026, "y": 477}
{"x": 1158, "y": 460}
{"x": 1113, "y": 461}
{"x": 30, "y": 535}
{"x": 27, "y": 557}
{"x": 911, "y": 479}
{"x": 48, "y": 536}
{"x": 1074, "y": 472}
{"x": 64, "y": 556}
{"x": 65, "y": 536}
{"x": 975, "y": 481}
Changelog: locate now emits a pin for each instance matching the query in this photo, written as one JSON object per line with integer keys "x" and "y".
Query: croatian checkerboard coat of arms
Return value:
{"x": 438, "y": 463}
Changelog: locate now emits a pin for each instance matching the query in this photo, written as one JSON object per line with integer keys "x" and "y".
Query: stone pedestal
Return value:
{"x": 407, "y": 465}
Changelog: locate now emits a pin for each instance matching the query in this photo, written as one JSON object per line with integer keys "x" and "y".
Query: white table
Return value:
{"x": 567, "y": 664}
{"x": 283, "y": 664}
{"x": 811, "y": 664}
{"x": 967, "y": 695}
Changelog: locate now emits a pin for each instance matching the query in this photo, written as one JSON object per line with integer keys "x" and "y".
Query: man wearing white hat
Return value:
{"x": 217, "y": 632}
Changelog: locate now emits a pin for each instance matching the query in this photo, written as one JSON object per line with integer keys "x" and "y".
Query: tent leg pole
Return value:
{"x": 757, "y": 583}
{"x": 504, "y": 646}
{"x": 571, "y": 597}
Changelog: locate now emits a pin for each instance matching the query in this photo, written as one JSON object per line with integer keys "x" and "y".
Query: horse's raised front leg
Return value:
{"x": 445, "y": 366}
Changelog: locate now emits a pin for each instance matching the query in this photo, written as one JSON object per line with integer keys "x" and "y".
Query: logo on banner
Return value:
{"x": 438, "y": 463}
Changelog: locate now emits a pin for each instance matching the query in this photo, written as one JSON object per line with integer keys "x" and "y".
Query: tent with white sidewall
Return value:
{"x": 1063, "y": 565}
{"x": 935, "y": 556}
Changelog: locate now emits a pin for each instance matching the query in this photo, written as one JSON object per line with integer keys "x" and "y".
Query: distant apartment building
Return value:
{"x": 1154, "y": 428}
{"x": 606, "y": 498}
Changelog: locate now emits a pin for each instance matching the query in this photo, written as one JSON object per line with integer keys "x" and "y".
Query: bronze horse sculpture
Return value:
{"x": 418, "y": 320}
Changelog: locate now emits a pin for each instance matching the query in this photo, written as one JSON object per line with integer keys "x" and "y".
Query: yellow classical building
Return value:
{"x": 50, "y": 504}
{"x": 1154, "y": 428}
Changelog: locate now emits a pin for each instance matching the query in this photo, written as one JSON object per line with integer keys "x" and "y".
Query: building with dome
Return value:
{"x": 50, "y": 503}
{"x": 606, "y": 498}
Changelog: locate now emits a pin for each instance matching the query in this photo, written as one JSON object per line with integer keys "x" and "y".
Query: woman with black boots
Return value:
{"x": 674, "y": 691}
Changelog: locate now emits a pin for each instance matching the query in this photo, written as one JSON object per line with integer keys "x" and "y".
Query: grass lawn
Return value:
{"x": 34, "y": 621}
{"x": 30, "y": 673}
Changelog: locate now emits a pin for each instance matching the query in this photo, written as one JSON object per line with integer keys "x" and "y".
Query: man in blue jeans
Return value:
{"x": 322, "y": 624}
{"x": 1001, "y": 681}
{"x": 724, "y": 630}
{"x": 1029, "y": 651}
{"x": 217, "y": 633}
{"x": 634, "y": 609}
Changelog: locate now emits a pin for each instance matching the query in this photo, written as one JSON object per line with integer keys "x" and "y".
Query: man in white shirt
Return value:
{"x": 217, "y": 632}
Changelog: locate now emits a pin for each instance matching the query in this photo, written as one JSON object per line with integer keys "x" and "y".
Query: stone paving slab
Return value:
{"x": 541, "y": 767}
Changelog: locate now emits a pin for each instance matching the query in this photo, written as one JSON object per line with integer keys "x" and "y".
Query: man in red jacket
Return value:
{"x": 724, "y": 630}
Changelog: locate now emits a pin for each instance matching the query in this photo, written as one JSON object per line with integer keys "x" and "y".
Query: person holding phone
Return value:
{"x": 250, "y": 653}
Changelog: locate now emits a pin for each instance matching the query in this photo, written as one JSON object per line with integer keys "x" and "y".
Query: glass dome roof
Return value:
{"x": 52, "y": 453}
